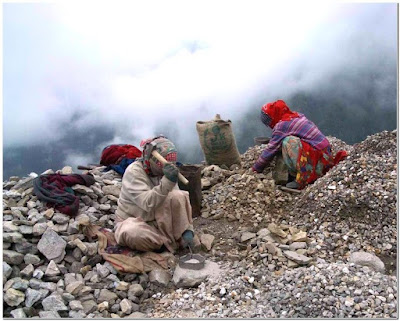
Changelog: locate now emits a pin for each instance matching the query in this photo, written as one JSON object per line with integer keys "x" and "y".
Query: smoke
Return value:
{"x": 136, "y": 68}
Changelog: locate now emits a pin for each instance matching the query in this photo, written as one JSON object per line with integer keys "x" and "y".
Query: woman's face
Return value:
{"x": 155, "y": 166}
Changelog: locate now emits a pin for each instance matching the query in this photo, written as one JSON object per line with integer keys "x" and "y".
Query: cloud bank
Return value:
{"x": 135, "y": 67}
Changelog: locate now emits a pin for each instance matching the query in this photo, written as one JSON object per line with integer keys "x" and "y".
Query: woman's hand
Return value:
{"x": 171, "y": 172}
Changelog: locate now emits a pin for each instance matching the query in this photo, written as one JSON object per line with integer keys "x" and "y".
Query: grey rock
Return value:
{"x": 122, "y": 286}
{"x": 39, "y": 228}
{"x": 107, "y": 295}
{"x": 7, "y": 270}
{"x": 25, "y": 229}
{"x": 32, "y": 296}
{"x": 91, "y": 248}
{"x": 75, "y": 305}
{"x": 73, "y": 228}
{"x": 14, "y": 297}
{"x": 89, "y": 306}
{"x": 367, "y": 259}
{"x": 17, "y": 284}
{"x": 61, "y": 285}
{"x": 298, "y": 258}
{"x": 38, "y": 274}
{"x": 111, "y": 190}
{"x": 52, "y": 269}
{"x": 26, "y": 248}
{"x": 143, "y": 280}
{"x": 76, "y": 314}
{"x": 186, "y": 278}
{"x": 135, "y": 307}
{"x": 49, "y": 315}
{"x": 52, "y": 246}
{"x": 31, "y": 204}
{"x": 12, "y": 257}
{"x": 247, "y": 236}
{"x": 18, "y": 314}
{"x": 76, "y": 267}
{"x": 18, "y": 210}
{"x": 271, "y": 248}
{"x": 44, "y": 293}
{"x": 32, "y": 259}
{"x": 263, "y": 232}
{"x": 109, "y": 266}
{"x": 9, "y": 227}
{"x": 136, "y": 315}
{"x": 105, "y": 207}
{"x": 60, "y": 227}
{"x": 68, "y": 297}
{"x": 13, "y": 237}
{"x": 136, "y": 290}
{"x": 55, "y": 303}
{"x": 87, "y": 200}
{"x": 160, "y": 277}
{"x": 74, "y": 287}
{"x": 126, "y": 306}
{"x": 83, "y": 189}
{"x": 297, "y": 245}
{"x": 115, "y": 308}
{"x": 113, "y": 278}
{"x": 16, "y": 271}
{"x": 69, "y": 278}
{"x": 207, "y": 241}
{"x": 102, "y": 270}
{"x": 60, "y": 218}
{"x": 35, "y": 284}
{"x": 24, "y": 184}
{"x": 52, "y": 287}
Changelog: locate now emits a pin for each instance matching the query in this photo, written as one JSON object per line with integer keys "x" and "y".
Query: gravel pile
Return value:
{"x": 323, "y": 290}
{"x": 354, "y": 206}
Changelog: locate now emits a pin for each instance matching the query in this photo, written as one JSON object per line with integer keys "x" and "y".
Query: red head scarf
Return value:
{"x": 278, "y": 110}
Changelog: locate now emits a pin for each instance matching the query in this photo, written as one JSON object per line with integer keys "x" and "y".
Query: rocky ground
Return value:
{"x": 329, "y": 251}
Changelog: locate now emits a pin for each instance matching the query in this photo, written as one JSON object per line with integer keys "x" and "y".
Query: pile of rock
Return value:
{"x": 50, "y": 269}
{"x": 246, "y": 290}
{"x": 353, "y": 207}
{"x": 242, "y": 196}
{"x": 278, "y": 247}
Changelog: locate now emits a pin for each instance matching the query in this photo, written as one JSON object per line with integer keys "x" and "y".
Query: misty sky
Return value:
{"x": 133, "y": 66}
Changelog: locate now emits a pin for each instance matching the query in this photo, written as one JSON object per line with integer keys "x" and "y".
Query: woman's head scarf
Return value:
{"x": 272, "y": 113}
{"x": 164, "y": 146}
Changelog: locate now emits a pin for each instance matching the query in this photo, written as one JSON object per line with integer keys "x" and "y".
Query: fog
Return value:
{"x": 78, "y": 76}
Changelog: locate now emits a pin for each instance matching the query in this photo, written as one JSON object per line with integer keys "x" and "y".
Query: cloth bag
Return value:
{"x": 218, "y": 142}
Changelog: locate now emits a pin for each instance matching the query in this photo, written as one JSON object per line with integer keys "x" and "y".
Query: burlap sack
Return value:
{"x": 218, "y": 142}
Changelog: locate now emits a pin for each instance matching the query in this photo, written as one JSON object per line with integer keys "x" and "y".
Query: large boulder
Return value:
{"x": 52, "y": 246}
{"x": 186, "y": 278}
{"x": 367, "y": 259}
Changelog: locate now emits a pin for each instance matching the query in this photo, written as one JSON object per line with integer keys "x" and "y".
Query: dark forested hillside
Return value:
{"x": 349, "y": 106}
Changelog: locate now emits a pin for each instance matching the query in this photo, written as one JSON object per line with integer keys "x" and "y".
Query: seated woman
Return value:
{"x": 305, "y": 150}
{"x": 153, "y": 212}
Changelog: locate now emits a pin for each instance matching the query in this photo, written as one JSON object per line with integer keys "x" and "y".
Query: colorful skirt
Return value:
{"x": 304, "y": 161}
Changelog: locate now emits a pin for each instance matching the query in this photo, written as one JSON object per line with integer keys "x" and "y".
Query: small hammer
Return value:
{"x": 163, "y": 161}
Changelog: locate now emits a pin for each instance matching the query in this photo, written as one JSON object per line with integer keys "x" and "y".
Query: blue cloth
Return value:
{"x": 121, "y": 167}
